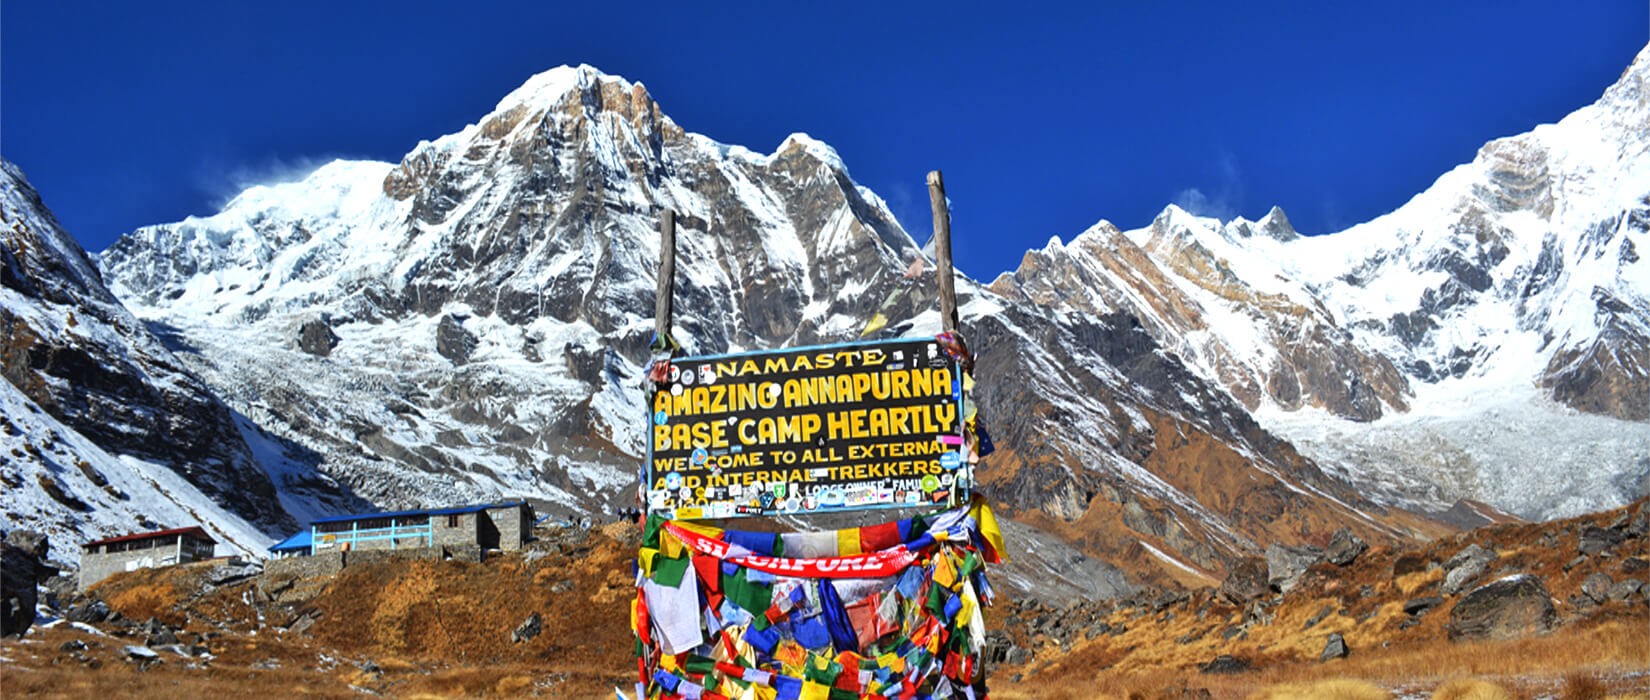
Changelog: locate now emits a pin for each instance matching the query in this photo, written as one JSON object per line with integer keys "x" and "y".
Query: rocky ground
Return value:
{"x": 1540, "y": 610}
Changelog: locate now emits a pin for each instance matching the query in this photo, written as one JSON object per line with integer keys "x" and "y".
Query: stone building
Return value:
{"x": 143, "y": 550}
{"x": 484, "y": 526}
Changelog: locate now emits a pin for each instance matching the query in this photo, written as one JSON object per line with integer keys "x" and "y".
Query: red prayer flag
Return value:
{"x": 875, "y": 538}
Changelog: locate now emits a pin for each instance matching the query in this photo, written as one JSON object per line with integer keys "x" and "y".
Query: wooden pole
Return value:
{"x": 667, "y": 273}
{"x": 942, "y": 252}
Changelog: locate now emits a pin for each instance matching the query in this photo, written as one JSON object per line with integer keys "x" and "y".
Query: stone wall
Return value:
{"x": 447, "y": 533}
{"x": 96, "y": 567}
{"x": 515, "y": 524}
{"x": 322, "y": 564}
{"x": 368, "y": 556}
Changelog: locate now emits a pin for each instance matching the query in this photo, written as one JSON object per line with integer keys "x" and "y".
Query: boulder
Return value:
{"x": 143, "y": 657}
{"x": 1467, "y": 555}
{"x": 1508, "y": 608}
{"x": 1625, "y": 589}
{"x": 1225, "y": 663}
{"x": 1285, "y": 565}
{"x": 1640, "y": 524}
{"x": 1246, "y": 581}
{"x": 1166, "y": 599}
{"x": 316, "y": 338}
{"x": 452, "y": 341}
{"x": 528, "y": 629}
{"x": 91, "y": 611}
{"x": 232, "y": 571}
{"x": 1465, "y": 567}
{"x": 1335, "y": 648}
{"x": 1419, "y": 606}
{"x": 1596, "y": 540}
{"x": 1597, "y": 586}
{"x": 1344, "y": 547}
{"x": 303, "y": 622}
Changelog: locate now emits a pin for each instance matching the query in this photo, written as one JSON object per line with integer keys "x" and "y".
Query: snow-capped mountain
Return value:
{"x": 1488, "y": 340}
{"x": 471, "y": 323}
{"x": 104, "y": 430}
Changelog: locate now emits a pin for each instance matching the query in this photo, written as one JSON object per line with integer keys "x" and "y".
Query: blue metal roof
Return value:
{"x": 296, "y": 542}
{"x": 412, "y": 513}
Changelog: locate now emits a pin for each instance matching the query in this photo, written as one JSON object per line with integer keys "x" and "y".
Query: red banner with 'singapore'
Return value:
{"x": 888, "y": 562}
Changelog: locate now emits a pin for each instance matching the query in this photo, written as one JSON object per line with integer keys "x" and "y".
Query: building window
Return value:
{"x": 452, "y": 521}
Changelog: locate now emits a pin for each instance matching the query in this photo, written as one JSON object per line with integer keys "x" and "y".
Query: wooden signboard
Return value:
{"x": 808, "y": 430}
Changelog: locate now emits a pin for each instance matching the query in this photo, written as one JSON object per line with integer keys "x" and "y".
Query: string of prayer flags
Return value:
{"x": 887, "y": 611}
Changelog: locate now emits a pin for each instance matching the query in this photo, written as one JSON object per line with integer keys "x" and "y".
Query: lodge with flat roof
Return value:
{"x": 145, "y": 550}
{"x": 485, "y": 526}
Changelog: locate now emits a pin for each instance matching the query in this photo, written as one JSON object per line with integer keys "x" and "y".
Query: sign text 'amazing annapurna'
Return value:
{"x": 843, "y": 427}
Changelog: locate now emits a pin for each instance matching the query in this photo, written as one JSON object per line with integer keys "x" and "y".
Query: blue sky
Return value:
{"x": 1044, "y": 117}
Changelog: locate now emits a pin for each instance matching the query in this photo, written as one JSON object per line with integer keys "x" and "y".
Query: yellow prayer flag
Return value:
{"x": 847, "y": 542}
{"x": 815, "y": 691}
{"x": 988, "y": 529}
{"x": 968, "y": 602}
{"x": 714, "y": 533}
{"x": 891, "y": 661}
{"x": 645, "y": 557}
{"x": 945, "y": 572}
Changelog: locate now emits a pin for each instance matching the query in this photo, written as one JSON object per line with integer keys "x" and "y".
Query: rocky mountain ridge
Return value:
{"x": 1494, "y": 327}
{"x": 471, "y": 324}
{"x": 105, "y": 430}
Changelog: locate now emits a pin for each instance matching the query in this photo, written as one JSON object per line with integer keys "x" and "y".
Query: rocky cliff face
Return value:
{"x": 1265, "y": 338}
{"x": 108, "y": 431}
{"x": 1490, "y": 333}
{"x": 491, "y": 297}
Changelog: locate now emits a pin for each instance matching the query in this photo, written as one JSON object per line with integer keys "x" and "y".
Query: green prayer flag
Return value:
{"x": 669, "y": 572}
{"x": 971, "y": 563}
{"x": 751, "y": 597}
{"x": 650, "y": 531}
{"x": 699, "y": 664}
{"x": 825, "y": 675}
{"x": 935, "y": 603}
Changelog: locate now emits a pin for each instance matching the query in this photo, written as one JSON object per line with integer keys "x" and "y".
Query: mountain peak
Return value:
{"x": 550, "y": 86}
{"x": 800, "y": 141}
{"x": 1276, "y": 224}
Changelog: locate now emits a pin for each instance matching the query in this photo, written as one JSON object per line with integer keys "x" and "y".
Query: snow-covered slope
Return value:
{"x": 1515, "y": 291}
{"x": 59, "y": 483}
{"x": 471, "y": 323}
{"x": 1488, "y": 340}
{"x": 106, "y": 432}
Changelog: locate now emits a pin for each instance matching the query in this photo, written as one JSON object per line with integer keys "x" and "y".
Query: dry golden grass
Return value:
{"x": 1333, "y": 689}
{"x": 1470, "y": 689}
{"x": 1114, "y": 667}
{"x": 441, "y": 629}
{"x": 1580, "y": 686}
{"x": 1413, "y": 582}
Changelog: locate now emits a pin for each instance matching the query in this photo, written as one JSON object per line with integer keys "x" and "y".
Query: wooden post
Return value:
{"x": 667, "y": 273}
{"x": 942, "y": 252}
